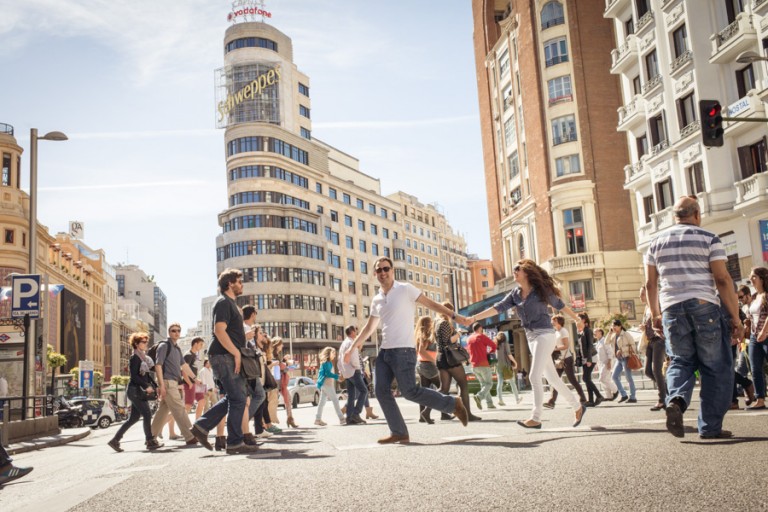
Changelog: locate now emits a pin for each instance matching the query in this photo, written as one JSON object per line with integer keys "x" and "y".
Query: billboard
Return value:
{"x": 247, "y": 93}
{"x": 72, "y": 328}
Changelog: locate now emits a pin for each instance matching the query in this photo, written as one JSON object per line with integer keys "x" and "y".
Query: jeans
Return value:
{"x": 541, "y": 346}
{"x": 357, "y": 393}
{"x": 485, "y": 378}
{"x": 139, "y": 409}
{"x": 232, "y": 405}
{"x": 256, "y": 391}
{"x": 654, "y": 360}
{"x": 758, "y": 354}
{"x": 328, "y": 391}
{"x": 500, "y": 386}
{"x": 621, "y": 366}
{"x": 400, "y": 364}
{"x": 698, "y": 338}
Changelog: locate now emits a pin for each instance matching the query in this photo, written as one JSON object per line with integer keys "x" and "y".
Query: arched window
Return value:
{"x": 552, "y": 14}
{"x": 521, "y": 246}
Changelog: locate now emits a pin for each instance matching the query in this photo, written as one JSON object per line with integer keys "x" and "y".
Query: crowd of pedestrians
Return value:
{"x": 691, "y": 326}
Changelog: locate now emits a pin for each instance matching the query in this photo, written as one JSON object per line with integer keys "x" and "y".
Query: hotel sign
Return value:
{"x": 247, "y": 10}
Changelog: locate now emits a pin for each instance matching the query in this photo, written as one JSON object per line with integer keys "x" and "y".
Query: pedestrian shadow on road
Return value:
{"x": 722, "y": 442}
{"x": 285, "y": 455}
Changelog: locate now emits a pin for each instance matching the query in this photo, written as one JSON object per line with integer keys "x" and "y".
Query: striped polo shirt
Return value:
{"x": 681, "y": 255}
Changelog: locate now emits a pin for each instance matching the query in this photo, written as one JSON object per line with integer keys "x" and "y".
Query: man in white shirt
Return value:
{"x": 349, "y": 366}
{"x": 394, "y": 307}
{"x": 206, "y": 377}
{"x": 605, "y": 357}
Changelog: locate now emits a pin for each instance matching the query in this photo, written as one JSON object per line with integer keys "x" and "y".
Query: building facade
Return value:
{"x": 668, "y": 55}
{"x": 553, "y": 160}
{"x": 133, "y": 283}
{"x": 481, "y": 277}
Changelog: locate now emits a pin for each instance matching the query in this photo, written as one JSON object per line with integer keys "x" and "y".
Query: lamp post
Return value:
{"x": 29, "y": 349}
{"x": 749, "y": 57}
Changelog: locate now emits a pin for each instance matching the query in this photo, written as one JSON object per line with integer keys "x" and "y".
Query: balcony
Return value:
{"x": 752, "y": 193}
{"x": 690, "y": 129}
{"x": 569, "y": 136}
{"x": 633, "y": 171}
{"x": 760, "y": 7}
{"x": 658, "y": 148}
{"x": 737, "y": 37}
{"x": 6, "y": 128}
{"x": 663, "y": 219}
{"x": 613, "y": 8}
{"x": 650, "y": 85}
{"x": 577, "y": 262}
{"x": 624, "y": 56}
{"x": 631, "y": 114}
{"x": 746, "y": 107}
{"x": 680, "y": 63}
{"x": 644, "y": 22}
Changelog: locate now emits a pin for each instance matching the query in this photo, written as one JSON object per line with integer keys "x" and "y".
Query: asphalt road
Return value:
{"x": 621, "y": 458}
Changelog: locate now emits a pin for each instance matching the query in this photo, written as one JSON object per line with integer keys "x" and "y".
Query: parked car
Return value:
{"x": 97, "y": 412}
{"x": 302, "y": 390}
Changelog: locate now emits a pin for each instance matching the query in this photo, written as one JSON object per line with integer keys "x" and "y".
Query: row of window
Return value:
{"x": 334, "y": 215}
{"x": 269, "y": 221}
{"x": 269, "y": 144}
{"x": 347, "y": 199}
{"x": 267, "y": 197}
{"x": 263, "y": 302}
{"x": 268, "y": 171}
{"x": 283, "y": 275}
{"x": 424, "y": 262}
{"x": 257, "y": 247}
{"x": 251, "y": 42}
{"x": 334, "y": 259}
{"x": 292, "y": 330}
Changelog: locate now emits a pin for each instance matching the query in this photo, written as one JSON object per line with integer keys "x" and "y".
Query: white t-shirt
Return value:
{"x": 348, "y": 369}
{"x": 396, "y": 310}
{"x": 559, "y": 335}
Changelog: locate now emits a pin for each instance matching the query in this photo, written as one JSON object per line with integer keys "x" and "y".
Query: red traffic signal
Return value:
{"x": 711, "y": 122}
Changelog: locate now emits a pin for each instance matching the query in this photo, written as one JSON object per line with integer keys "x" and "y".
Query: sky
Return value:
{"x": 132, "y": 85}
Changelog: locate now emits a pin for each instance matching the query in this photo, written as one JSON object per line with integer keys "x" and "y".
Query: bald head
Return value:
{"x": 687, "y": 211}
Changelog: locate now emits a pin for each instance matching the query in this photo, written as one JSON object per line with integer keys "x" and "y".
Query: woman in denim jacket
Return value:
{"x": 531, "y": 300}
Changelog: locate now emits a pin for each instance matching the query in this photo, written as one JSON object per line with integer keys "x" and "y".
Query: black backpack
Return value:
{"x": 152, "y": 352}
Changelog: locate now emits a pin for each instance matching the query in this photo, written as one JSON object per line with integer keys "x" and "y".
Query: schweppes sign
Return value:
{"x": 248, "y": 92}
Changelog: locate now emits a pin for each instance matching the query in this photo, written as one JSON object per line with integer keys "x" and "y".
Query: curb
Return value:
{"x": 46, "y": 442}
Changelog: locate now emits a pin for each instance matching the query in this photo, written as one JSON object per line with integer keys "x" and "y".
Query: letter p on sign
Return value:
{"x": 26, "y": 296}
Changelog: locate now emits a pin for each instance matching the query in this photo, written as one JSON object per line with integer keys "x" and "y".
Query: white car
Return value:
{"x": 97, "y": 412}
{"x": 302, "y": 390}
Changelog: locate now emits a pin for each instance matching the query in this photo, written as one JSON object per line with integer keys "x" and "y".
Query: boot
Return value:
{"x": 369, "y": 414}
{"x": 153, "y": 444}
{"x": 249, "y": 439}
{"x": 291, "y": 423}
{"x": 221, "y": 443}
{"x": 750, "y": 391}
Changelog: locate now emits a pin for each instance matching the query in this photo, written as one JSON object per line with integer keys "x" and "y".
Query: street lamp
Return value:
{"x": 29, "y": 348}
{"x": 749, "y": 57}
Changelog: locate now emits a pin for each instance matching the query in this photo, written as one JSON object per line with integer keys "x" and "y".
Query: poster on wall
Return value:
{"x": 764, "y": 238}
{"x": 72, "y": 328}
{"x": 732, "y": 253}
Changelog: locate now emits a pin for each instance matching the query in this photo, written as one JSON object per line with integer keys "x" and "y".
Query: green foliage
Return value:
{"x": 55, "y": 359}
{"x": 607, "y": 322}
{"x": 119, "y": 380}
{"x": 74, "y": 371}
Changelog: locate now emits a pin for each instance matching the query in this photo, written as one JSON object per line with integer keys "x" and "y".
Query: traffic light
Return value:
{"x": 710, "y": 113}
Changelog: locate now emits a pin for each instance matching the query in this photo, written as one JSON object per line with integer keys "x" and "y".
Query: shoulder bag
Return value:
{"x": 269, "y": 380}
{"x": 633, "y": 361}
{"x": 455, "y": 354}
{"x": 249, "y": 363}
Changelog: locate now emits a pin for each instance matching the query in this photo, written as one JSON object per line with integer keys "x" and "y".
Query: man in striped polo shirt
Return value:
{"x": 685, "y": 270}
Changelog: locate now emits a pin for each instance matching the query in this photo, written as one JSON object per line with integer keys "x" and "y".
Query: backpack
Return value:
{"x": 152, "y": 352}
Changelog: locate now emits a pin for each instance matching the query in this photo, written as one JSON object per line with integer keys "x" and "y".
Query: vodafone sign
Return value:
{"x": 244, "y": 10}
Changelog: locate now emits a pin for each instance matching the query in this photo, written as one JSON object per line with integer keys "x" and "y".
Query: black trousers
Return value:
{"x": 586, "y": 374}
{"x": 570, "y": 373}
{"x": 739, "y": 379}
{"x": 654, "y": 361}
{"x": 139, "y": 408}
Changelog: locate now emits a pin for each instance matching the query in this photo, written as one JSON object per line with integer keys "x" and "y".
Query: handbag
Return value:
{"x": 633, "y": 361}
{"x": 455, "y": 354}
{"x": 507, "y": 373}
{"x": 269, "y": 381}
{"x": 492, "y": 359}
{"x": 249, "y": 363}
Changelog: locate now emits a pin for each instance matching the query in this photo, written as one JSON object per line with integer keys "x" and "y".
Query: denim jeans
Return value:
{"x": 485, "y": 378}
{"x": 400, "y": 364}
{"x": 500, "y": 386}
{"x": 232, "y": 405}
{"x": 758, "y": 353}
{"x": 357, "y": 393}
{"x": 328, "y": 392}
{"x": 699, "y": 338}
{"x": 619, "y": 368}
{"x": 256, "y": 391}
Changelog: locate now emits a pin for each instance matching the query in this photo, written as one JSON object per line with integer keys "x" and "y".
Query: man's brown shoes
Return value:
{"x": 393, "y": 439}
{"x": 461, "y": 412}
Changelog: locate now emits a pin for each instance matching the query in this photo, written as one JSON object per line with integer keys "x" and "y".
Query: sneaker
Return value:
{"x": 264, "y": 434}
{"x": 723, "y": 434}
{"x": 242, "y": 448}
{"x": 501, "y": 403}
{"x": 342, "y": 421}
{"x": 623, "y": 399}
{"x": 274, "y": 429}
{"x": 115, "y": 445}
{"x": 675, "y": 420}
{"x": 201, "y": 436}
{"x": 319, "y": 423}
{"x": 9, "y": 472}
{"x": 491, "y": 406}
{"x": 632, "y": 401}
{"x": 478, "y": 402}
{"x": 154, "y": 444}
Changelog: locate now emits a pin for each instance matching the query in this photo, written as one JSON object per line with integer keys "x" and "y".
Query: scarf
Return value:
{"x": 146, "y": 362}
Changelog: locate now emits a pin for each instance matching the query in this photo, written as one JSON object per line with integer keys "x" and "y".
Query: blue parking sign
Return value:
{"x": 86, "y": 379}
{"x": 25, "y": 293}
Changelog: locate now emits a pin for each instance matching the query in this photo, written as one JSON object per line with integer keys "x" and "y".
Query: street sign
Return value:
{"x": 86, "y": 379}
{"x": 25, "y": 296}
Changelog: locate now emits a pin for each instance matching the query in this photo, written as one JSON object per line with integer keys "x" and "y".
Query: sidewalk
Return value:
{"x": 67, "y": 436}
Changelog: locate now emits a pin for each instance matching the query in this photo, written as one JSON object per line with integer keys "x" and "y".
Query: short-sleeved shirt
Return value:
{"x": 226, "y": 310}
{"x": 348, "y": 369}
{"x": 559, "y": 335}
{"x": 396, "y": 310}
{"x": 170, "y": 358}
{"x": 533, "y": 312}
{"x": 191, "y": 360}
{"x": 682, "y": 255}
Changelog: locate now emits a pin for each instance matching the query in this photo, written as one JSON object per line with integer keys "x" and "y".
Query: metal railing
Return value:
{"x": 6, "y": 128}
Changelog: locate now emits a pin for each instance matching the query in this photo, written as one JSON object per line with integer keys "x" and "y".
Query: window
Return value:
{"x": 361, "y": 225}
{"x": 304, "y": 111}
{"x": 251, "y": 42}
{"x": 555, "y": 51}
{"x": 346, "y": 199}
{"x": 510, "y": 133}
{"x": 658, "y": 130}
{"x": 319, "y": 188}
{"x": 303, "y": 90}
{"x": 551, "y": 15}
{"x": 642, "y": 8}
{"x": 581, "y": 289}
{"x": 385, "y": 232}
{"x": 320, "y": 209}
{"x": 334, "y": 215}
{"x": 384, "y": 213}
{"x": 752, "y": 158}
{"x": 514, "y": 165}
{"x": 516, "y": 196}
{"x": 334, "y": 260}
{"x": 503, "y": 64}
{"x": 651, "y": 65}
{"x": 574, "y": 231}
{"x": 365, "y": 290}
{"x": 360, "y": 204}
{"x": 745, "y": 80}
{"x": 350, "y": 243}
{"x": 332, "y": 193}
{"x": 733, "y": 8}
{"x": 695, "y": 175}
{"x": 664, "y": 195}
{"x": 9, "y": 236}
{"x": 363, "y": 267}
{"x": 375, "y": 249}
{"x": 374, "y": 229}
{"x": 507, "y": 97}
{"x": 336, "y": 284}
{"x": 351, "y": 286}
{"x": 362, "y": 246}
{"x": 372, "y": 208}
{"x": 686, "y": 110}
{"x": 6, "y": 169}
{"x": 306, "y": 133}
{"x": 642, "y": 145}
{"x": 648, "y": 207}
{"x": 386, "y": 252}
{"x": 559, "y": 89}
{"x": 484, "y": 272}
{"x": 567, "y": 165}
{"x": 680, "y": 41}
{"x": 348, "y": 221}
{"x": 629, "y": 26}
{"x": 637, "y": 85}
{"x": 350, "y": 264}
{"x": 563, "y": 129}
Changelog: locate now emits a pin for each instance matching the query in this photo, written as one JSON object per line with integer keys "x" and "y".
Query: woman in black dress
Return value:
{"x": 445, "y": 335}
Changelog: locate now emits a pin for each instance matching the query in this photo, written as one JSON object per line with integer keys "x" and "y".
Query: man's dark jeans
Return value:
{"x": 232, "y": 405}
